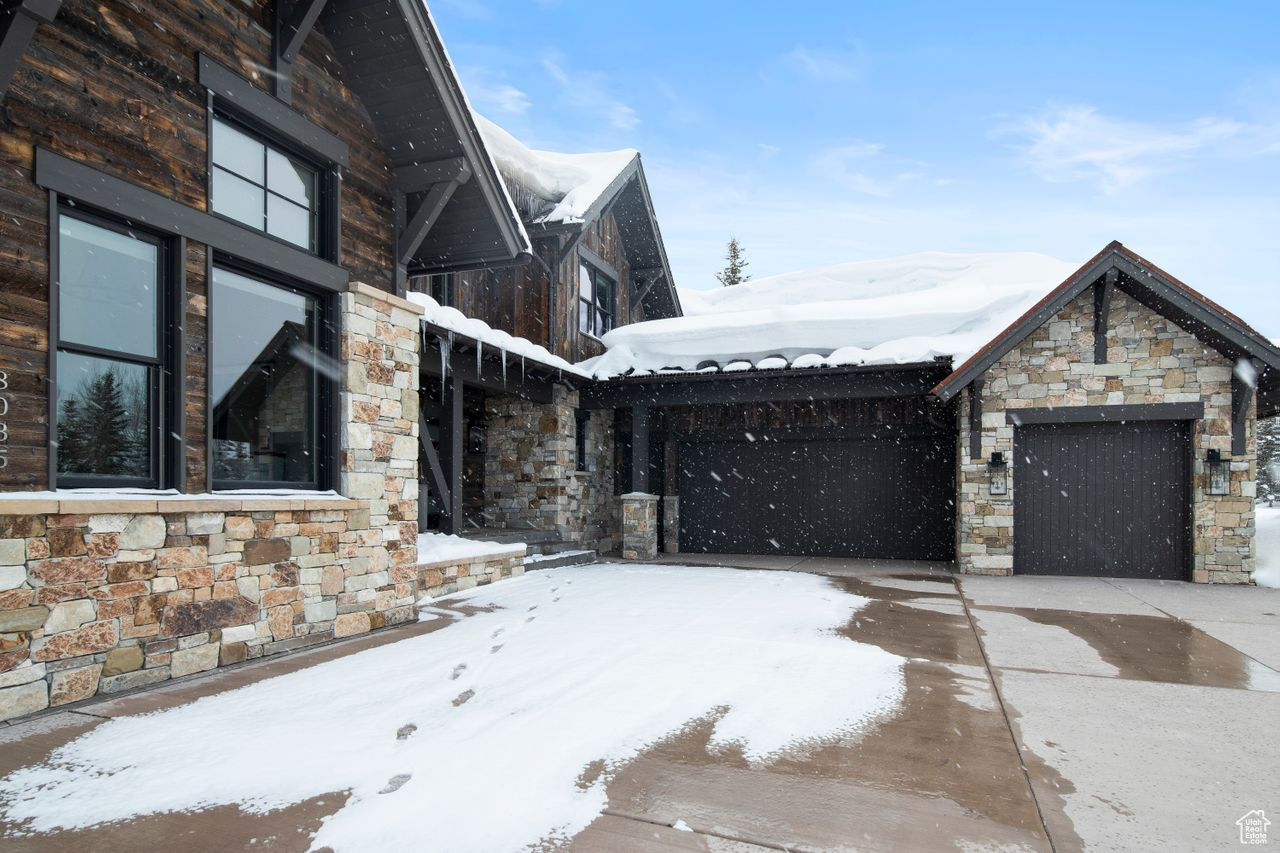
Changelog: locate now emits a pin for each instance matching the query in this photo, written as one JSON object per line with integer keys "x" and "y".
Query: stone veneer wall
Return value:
{"x": 529, "y": 476}
{"x": 106, "y": 594}
{"x": 1150, "y": 360}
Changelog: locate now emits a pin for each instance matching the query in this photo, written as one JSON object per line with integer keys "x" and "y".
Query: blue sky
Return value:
{"x": 819, "y": 133}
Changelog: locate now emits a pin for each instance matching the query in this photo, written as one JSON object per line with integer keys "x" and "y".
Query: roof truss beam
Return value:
{"x": 294, "y": 20}
{"x": 420, "y": 177}
{"x": 1103, "y": 289}
{"x": 426, "y": 215}
{"x": 1242, "y": 393}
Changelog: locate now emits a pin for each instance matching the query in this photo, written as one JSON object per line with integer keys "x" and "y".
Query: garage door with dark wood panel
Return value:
{"x": 1102, "y": 499}
{"x": 886, "y": 497}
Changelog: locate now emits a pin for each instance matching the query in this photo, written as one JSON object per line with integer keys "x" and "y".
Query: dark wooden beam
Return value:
{"x": 452, "y": 446}
{"x": 652, "y": 277}
{"x": 765, "y": 386}
{"x": 1103, "y": 289}
{"x": 1106, "y": 414}
{"x": 293, "y": 22}
{"x": 1241, "y": 397}
{"x": 415, "y": 230}
{"x": 641, "y": 418}
{"x": 18, "y": 22}
{"x": 975, "y": 419}
{"x": 421, "y": 177}
{"x": 435, "y": 473}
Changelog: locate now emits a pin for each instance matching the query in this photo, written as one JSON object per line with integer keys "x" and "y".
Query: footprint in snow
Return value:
{"x": 404, "y": 731}
{"x": 533, "y": 607}
{"x": 457, "y": 671}
{"x": 530, "y": 619}
{"x": 463, "y": 697}
{"x": 395, "y": 783}
{"x": 495, "y": 649}
{"x": 497, "y": 633}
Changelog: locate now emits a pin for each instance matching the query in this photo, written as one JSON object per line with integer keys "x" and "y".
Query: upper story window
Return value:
{"x": 597, "y": 299}
{"x": 266, "y": 187}
{"x": 113, "y": 376}
{"x": 268, "y": 384}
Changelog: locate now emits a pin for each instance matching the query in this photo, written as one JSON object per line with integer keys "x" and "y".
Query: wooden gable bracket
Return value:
{"x": 975, "y": 419}
{"x": 435, "y": 472}
{"x": 1241, "y": 397}
{"x": 650, "y": 277}
{"x": 1103, "y": 290}
{"x": 18, "y": 22}
{"x": 439, "y": 180}
{"x": 293, "y": 22}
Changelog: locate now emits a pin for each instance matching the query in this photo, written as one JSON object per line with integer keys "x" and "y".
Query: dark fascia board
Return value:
{"x": 87, "y": 185}
{"x": 1106, "y": 414}
{"x": 244, "y": 97}
{"x": 672, "y": 293}
{"x": 904, "y": 380}
{"x": 455, "y": 105}
{"x": 1137, "y": 274}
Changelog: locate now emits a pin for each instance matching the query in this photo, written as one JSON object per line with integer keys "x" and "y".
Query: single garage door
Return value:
{"x": 1110, "y": 500}
{"x": 890, "y": 498}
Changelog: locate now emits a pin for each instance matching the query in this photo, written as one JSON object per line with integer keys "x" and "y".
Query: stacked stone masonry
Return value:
{"x": 1149, "y": 360}
{"x": 639, "y": 526}
{"x": 530, "y": 479}
{"x": 446, "y": 577}
{"x": 105, "y": 595}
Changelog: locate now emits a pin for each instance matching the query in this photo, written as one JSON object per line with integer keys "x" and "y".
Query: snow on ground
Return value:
{"x": 569, "y": 183}
{"x": 434, "y": 547}
{"x": 895, "y": 311}
{"x": 455, "y": 321}
{"x": 574, "y": 666}
{"x": 1267, "y": 569}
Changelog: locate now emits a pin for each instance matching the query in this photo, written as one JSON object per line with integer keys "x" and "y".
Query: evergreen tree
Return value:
{"x": 107, "y": 446}
{"x": 70, "y": 437}
{"x": 735, "y": 271}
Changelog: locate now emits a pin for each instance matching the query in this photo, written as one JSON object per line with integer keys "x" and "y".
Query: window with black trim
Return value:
{"x": 597, "y": 294}
{"x": 113, "y": 376}
{"x": 440, "y": 288}
{"x": 267, "y": 187}
{"x": 581, "y": 439}
{"x": 270, "y": 389}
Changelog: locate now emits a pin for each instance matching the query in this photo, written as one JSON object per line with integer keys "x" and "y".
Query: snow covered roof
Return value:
{"x": 483, "y": 334}
{"x": 903, "y": 310}
{"x": 551, "y": 187}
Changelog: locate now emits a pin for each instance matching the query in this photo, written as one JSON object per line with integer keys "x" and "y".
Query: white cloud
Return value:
{"x": 859, "y": 166}
{"x": 500, "y": 98}
{"x": 587, "y": 91}
{"x": 826, "y": 66}
{"x": 1078, "y": 143}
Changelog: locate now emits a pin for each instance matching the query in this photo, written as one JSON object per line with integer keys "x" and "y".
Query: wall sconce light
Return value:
{"x": 998, "y": 473}
{"x": 1219, "y": 473}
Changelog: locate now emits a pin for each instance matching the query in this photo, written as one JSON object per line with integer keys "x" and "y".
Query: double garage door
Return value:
{"x": 1110, "y": 500}
{"x": 891, "y": 498}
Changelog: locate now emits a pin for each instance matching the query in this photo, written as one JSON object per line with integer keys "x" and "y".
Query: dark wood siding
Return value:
{"x": 1108, "y": 500}
{"x": 519, "y": 299}
{"x": 114, "y": 85}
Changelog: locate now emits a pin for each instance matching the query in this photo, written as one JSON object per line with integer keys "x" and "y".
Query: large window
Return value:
{"x": 111, "y": 366}
{"x": 596, "y": 300}
{"x": 268, "y": 384}
{"x": 265, "y": 187}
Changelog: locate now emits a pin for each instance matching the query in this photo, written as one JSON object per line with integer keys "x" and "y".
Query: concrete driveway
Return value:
{"x": 1038, "y": 714}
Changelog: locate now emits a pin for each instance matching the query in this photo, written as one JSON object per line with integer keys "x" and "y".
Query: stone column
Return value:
{"x": 639, "y": 526}
{"x": 671, "y": 524}
{"x": 381, "y": 335}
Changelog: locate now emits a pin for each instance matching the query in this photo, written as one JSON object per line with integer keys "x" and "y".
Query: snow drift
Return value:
{"x": 567, "y": 184}
{"x": 895, "y": 311}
